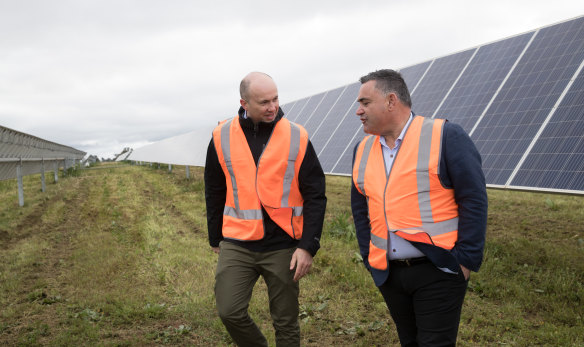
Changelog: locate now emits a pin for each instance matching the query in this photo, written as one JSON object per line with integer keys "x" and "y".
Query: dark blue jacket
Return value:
{"x": 461, "y": 170}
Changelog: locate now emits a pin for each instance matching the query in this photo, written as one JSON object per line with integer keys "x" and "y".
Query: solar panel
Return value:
{"x": 287, "y": 108}
{"x": 304, "y": 115}
{"x": 438, "y": 80}
{"x": 346, "y": 126}
{"x": 413, "y": 74}
{"x": 323, "y": 134}
{"x": 322, "y": 110}
{"x": 299, "y": 105}
{"x": 557, "y": 158}
{"x": 344, "y": 163}
{"x": 477, "y": 86}
{"x": 521, "y": 99}
{"x": 528, "y": 96}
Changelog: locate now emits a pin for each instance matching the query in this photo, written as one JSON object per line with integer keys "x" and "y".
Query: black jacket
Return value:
{"x": 311, "y": 183}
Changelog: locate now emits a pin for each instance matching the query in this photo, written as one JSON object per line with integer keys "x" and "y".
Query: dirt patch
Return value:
{"x": 4, "y": 236}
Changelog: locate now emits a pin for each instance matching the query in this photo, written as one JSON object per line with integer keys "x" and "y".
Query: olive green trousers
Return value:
{"x": 238, "y": 270}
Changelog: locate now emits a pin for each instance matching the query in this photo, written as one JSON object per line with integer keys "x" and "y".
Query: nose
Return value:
{"x": 360, "y": 111}
{"x": 273, "y": 106}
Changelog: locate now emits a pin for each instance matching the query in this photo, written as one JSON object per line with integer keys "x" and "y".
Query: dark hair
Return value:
{"x": 389, "y": 81}
{"x": 243, "y": 88}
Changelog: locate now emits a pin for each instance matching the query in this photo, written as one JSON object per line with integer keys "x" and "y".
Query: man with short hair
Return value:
{"x": 419, "y": 205}
{"x": 265, "y": 196}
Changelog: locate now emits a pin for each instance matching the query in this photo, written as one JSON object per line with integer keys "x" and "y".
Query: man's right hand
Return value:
{"x": 215, "y": 249}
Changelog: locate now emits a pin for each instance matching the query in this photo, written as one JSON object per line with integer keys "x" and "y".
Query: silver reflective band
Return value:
{"x": 226, "y": 148}
{"x": 422, "y": 171}
{"x": 297, "y": 211}
{"x": 242, "y": 214}
{"x": 292, "y": 154}
{"x": 434, "y": 229}
{"x": 363, "y": 163}
{"x": 379, "y": 242}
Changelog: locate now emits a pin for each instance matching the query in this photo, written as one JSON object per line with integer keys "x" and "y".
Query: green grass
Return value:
{"x": 119, "y": 257}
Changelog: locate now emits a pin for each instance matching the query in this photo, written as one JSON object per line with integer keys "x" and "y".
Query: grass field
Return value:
{"x": 118, "y": 256}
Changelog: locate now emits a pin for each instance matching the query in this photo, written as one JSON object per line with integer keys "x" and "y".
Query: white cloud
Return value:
{"x": 103, "y": 75}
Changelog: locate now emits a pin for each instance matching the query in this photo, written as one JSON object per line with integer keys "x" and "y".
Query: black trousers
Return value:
{"x": 425, "y": 303}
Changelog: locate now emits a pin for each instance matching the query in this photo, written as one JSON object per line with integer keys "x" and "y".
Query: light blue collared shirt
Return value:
{"x": 399, "y": 248}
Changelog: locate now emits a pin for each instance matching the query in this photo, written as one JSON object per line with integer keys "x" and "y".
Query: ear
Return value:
{"x": 390, "y": 100}
{"x": 243, "y": 104}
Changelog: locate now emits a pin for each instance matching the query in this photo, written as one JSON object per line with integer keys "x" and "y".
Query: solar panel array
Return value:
{"x": 521, "y": 100}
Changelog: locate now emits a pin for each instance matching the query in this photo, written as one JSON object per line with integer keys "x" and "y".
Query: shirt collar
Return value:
{"x": 400, "y": 138}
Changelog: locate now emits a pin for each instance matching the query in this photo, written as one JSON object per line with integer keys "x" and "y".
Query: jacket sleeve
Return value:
{"x": 463, "y": 172}
{"x": 215, "y": 192}
{"x": 361, "y": 219}
{"x": 312, "y": 185}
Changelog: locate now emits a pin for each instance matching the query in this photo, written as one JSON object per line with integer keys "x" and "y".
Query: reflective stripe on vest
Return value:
{"x": 363, "y": 163}
{"x": 251, "y": 187}
{"x": 292, "y": 153}
{"x": 226, "y": 150}
{"x": 406, "y": 197}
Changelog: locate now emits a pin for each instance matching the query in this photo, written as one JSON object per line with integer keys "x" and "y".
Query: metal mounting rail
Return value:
{"x": 23, "y": 154}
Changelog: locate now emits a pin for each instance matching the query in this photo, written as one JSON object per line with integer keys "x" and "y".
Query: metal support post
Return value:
{"x": 43, "y": 186}
{"x": 169, "y": 167}
{"x": 20, "y": 185}
{"x": 56, "y": 171}
{"x": 188, "y": 172}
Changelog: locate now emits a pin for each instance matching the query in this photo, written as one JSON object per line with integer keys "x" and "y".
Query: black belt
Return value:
{"x": 409, "y": 262}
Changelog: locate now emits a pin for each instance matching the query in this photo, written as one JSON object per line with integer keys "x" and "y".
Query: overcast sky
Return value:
{"x": 103, "y": 75}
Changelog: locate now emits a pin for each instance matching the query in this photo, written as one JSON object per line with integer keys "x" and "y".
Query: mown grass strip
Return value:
{"x": 119, "y": 256}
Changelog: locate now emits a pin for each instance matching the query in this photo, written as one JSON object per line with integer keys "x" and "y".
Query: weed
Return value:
{"x": 552, "y": 205}
{"x": 89, "y": 315}
{"x": 342, "y": 227}
{"x": 170, "y": 334}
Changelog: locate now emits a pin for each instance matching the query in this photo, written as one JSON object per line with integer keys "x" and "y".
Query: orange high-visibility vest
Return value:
{"x": 273, "y": 184}
{"x": 411, "y": 202}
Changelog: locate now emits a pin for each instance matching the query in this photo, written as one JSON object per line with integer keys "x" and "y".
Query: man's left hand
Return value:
{"x": 465, "y": 272}
{"x": 302, "y": 260}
